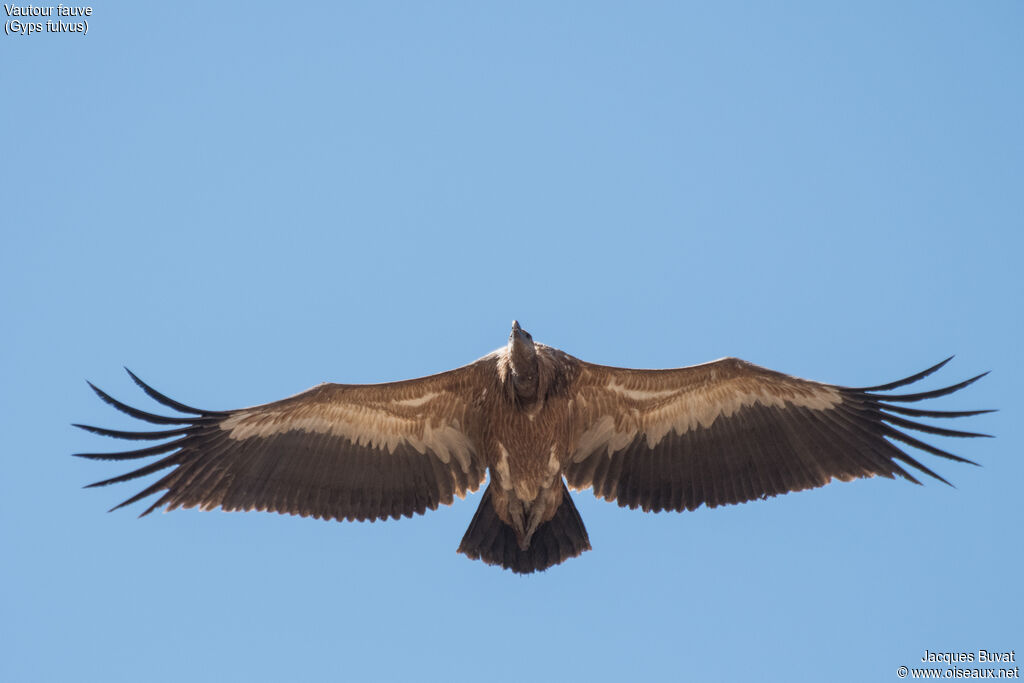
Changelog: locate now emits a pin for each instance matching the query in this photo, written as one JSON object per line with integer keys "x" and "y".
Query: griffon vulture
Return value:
{"x": 536, "y": 418}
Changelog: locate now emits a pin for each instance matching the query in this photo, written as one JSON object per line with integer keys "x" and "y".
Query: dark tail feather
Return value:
{"x": 491, "y": 540}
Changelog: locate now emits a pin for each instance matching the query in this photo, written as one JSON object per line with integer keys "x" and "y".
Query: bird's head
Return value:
{"x": 522, "y": 356}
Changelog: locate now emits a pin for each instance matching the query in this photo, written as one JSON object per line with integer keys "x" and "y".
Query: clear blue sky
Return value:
{"x": 240, "y": 200}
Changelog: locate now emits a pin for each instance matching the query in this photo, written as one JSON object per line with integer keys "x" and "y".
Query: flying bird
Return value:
{"x": 535, "y": 419}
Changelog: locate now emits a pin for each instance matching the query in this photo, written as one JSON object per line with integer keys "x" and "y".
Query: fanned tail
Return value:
{"x": 491, "y": 540}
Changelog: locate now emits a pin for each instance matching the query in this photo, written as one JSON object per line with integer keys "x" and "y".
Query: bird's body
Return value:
{"x": 534, "y": 418}
{"x": 529, "y": 447}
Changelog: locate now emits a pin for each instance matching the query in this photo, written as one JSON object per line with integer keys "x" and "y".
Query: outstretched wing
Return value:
{"x": 730, "y": 431}
{"x": 335, "y": 451}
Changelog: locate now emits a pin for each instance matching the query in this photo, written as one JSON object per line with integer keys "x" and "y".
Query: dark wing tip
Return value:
{"x": 930, "y": 429}
{"x": 145, "y": 493}
{"x": 135, "y": 436}
{"x": 885, "y": 410}
{"x": 143, "y": 415}
{"x": 935, "y": 393}
{"x": 139, "y": 453}
{"x": 917, "y": 412}
{"x": 166, "y": 400}
{"x": 907, "y": 380}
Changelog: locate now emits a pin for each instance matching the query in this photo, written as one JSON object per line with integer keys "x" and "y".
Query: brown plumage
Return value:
{"x": 535, "y": 418}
